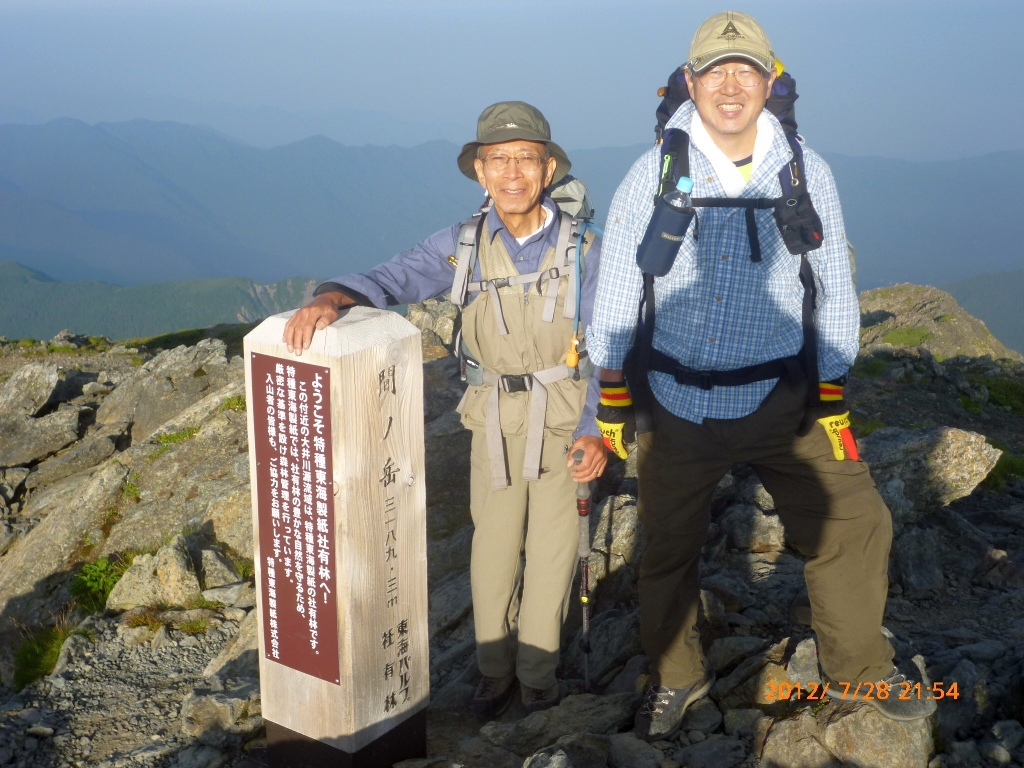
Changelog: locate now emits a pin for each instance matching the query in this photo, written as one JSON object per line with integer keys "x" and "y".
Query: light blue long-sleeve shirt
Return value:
{"x": 717, "y": 309}
{"x": 424, "y": 271}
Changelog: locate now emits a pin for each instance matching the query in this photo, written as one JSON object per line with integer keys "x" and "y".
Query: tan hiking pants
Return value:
{"x": 831, "y": 512}
{"x": 537, "y": 518}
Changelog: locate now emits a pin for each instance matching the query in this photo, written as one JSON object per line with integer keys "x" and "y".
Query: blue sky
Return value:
{"x": 908, "y": 79}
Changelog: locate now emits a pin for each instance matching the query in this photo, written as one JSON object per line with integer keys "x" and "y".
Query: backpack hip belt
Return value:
{"x": 783, "y": 367}
{"x": 536, "y": 384}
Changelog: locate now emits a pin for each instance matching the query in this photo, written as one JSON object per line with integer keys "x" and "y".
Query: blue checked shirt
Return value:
{"x": 716, "y": 309}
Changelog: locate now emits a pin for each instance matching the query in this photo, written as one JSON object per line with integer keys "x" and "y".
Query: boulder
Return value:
{"x": 166, "y": 385}
{"x": 225, "y": 718}
{"x": 577, "y": 749}
{"x": 919, "y": 470}
{"x": 627, "y": 751}
{"x": 216, "y": 569}
{"x": 726, "y": 652}
{"x": 585, "y": 712}
{"x": 37, "y": 569}
{"x": 29, "y": 389}
{"x": 614, "y": 638}
{"x": 616, "y": 536}
{"x": 791, "y": 744}
{"x": 168, "y": 577}
{"x": 201, "y": 482}
{"x": 860, "y": 735}
{"x": 83, "y": 455}
{"x": 240, "y": 657}
{"x": 916, "y": 559}
{"x": 750, "y": 529}
{"x": 714, "y": 753}
{"x": 27, "y": 440}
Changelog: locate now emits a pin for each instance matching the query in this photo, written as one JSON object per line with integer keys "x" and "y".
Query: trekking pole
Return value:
{"x": 583, "y": 550}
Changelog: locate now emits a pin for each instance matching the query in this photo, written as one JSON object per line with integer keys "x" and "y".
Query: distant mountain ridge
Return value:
{"x": 36, "y": 306}
{"x": 143, "y": 201}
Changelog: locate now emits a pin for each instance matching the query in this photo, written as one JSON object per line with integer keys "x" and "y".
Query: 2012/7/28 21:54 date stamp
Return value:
{"x": 903, "y": 691}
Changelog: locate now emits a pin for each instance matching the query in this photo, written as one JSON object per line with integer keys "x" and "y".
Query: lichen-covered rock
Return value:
{"x": 223, "y": 718}
{"x": 791, "y": 744}
{"x": 27, "y": 440}
{"x": 862, "y": 736}
{"x": 933, "y": 466}
{"x": 167, "y": 385}
{"x": 29, "y": 389}
{"x": 216, "y": 570}
{"x": 749, "y": 528}
{"x": 586, "y": 712}
{"x": 83, "y": 455}
{"x": 168, "y": 577}
{"x": 200, "y": 482}
{"x": 240, "y": 657}
{"x": 37, "y": 569}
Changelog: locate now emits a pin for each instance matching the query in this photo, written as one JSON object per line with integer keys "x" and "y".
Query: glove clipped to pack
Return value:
{"x": 834, "y": 417}
{"x": 615, "y": 417}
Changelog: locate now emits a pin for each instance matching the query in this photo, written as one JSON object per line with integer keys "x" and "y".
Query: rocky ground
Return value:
{"x": 132, "y": 453}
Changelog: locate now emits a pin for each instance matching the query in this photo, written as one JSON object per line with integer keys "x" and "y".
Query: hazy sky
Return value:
{"x": 901, "y": 78}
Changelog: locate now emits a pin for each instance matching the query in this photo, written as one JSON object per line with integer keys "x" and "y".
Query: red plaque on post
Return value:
{"x": 294, "y": 486}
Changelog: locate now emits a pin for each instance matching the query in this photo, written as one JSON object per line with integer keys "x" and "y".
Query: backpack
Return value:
{"x": 798, "y": 224}
{"x": 576, "y": 211}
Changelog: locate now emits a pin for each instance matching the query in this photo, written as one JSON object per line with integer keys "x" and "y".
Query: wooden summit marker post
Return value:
{"x": 339, "y": 521}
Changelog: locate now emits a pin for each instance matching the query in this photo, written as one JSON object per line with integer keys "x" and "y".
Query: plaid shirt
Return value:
{"x": 716, "y": 309}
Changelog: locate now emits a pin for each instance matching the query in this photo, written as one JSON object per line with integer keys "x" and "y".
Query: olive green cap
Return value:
{"x": 730, "y": 34}
{"x": 512, "y": 121}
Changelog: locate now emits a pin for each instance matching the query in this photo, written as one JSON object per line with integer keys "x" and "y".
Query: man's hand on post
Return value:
{"x": 594, "y": 460}
{"x": 615, "y": 417}
{"x": 317, "y": 315}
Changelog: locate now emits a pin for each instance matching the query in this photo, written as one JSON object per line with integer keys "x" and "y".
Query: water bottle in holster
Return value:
{"x": 669, "y": 222}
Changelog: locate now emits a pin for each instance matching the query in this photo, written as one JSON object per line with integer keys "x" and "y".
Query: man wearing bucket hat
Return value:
{"x": 528, "y": 407}
{"x": 727, "y": 385}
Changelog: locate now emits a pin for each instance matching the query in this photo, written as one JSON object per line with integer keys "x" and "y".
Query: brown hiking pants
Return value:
{"x": 832, "y": 515}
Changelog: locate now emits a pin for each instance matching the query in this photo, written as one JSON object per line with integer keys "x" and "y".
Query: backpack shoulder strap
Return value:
{"x": 675, "y": 159}
{"x": 465, "y": 253}
{"x": 798, "y": 222}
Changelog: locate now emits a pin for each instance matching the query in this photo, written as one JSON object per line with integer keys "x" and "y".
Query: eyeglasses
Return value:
{"x": 528, "y": 162}
{"x": 747, "y": 77}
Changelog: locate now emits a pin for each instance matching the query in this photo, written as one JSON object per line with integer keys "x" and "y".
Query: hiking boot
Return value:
{"x": 492, "y": 695}
{"x": 663, "y": 708}
{"x": 898, "y": 696}
{"x": 536, "y": 699}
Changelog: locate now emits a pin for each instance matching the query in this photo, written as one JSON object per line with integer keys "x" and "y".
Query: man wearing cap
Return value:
{"x": 722, "y": 310}
{"x": 518, "y": 326}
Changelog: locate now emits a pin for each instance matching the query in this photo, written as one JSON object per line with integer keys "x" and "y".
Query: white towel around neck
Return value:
{"x": 728, "y": 174}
